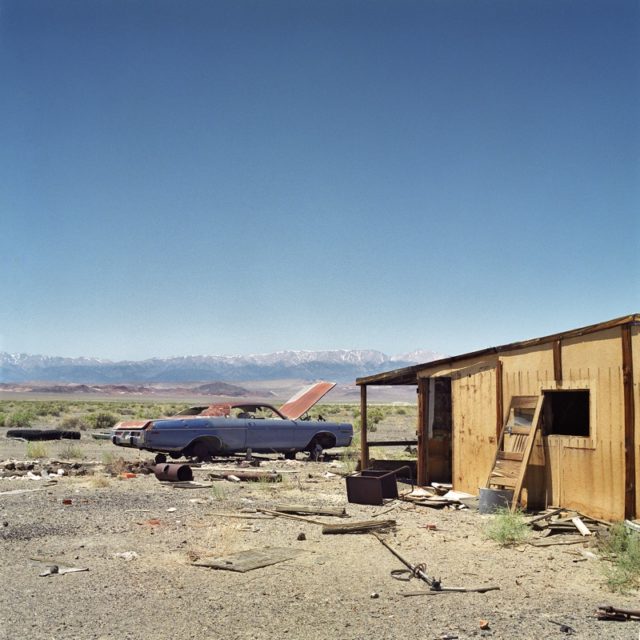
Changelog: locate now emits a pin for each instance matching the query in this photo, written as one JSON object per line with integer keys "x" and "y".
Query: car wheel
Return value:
{"x": 315, "y": 451}
{"x": 160, "y": 458}
{"x": 175, "y": 455}
{"x": 289, "y": 455}
{"x": 201, "y": 452}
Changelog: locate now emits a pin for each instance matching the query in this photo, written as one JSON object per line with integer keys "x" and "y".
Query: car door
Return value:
{"x": 270, "y": 434}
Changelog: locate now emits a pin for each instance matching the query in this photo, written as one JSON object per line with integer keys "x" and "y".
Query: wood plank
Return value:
{"x": 503, "y": 481}
{"x": 364, "y": 447}
{"x": 629, "y": 425}
{"x": 249, "y": 560}
{"x": 318, "y": 511}
{"x": 499, "y": 398}
{"x": 519, "y": 431}
{"x": 363, "y": 526}
{"x": 581, "y": 526}
{"x": 557, "y": 361}
{"x": 422, "y": 432}
{"x": 510, "y": 455}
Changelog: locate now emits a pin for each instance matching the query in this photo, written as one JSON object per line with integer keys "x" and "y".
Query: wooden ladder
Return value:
{"x": 515, "y": 445}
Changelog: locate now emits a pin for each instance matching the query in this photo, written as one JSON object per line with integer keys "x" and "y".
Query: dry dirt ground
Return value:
{"x": 339, "y": 587}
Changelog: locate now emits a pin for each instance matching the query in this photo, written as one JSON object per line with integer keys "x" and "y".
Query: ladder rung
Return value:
{"x": 510, "y": 483}
{"x": 510, "y": 455}
{"x": 519, "y": 431}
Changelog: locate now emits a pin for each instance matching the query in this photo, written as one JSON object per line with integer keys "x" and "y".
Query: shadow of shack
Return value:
{"x": 585, "y": 455}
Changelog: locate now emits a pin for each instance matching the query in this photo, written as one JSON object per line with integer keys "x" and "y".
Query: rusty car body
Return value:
{"x": 206, "y": 431}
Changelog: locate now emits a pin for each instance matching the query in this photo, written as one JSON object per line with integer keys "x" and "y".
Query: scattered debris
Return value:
{"x": 364, "y": 526}
{"x": 484, "y": 625}
{"x": 301, "y": 536}
{"x": 247, "y": 476}
{"x": 55, "y": 568}
{"x": 419, "y": 571}
{"x": 127, "y": 555}
{"x": 607, "y": 612}
{"x": 318, "y": 511}
{"x": 374, "y": 595}
{"x": 173, "y": 472}
{"x": 249, "y": 560}
{"x": 565, "y": 628}
{"x": 49, "y": 571}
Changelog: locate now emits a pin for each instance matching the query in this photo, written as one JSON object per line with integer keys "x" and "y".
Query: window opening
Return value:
{"x": 566, "y": 413}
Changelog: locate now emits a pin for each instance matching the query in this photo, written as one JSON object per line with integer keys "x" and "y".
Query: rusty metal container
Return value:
{"x": 173, "y": 472}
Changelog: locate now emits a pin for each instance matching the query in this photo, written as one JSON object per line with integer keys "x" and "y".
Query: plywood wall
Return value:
{"x": 585, "y": 473}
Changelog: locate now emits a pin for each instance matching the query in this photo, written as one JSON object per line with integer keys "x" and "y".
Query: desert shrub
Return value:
{"x": 622, "y": 547}
{"x": 73, "y": 422}
{"x": 102, "y": 421}
{"x": 36, "y": 450}
{"x": 71, "y": 452}
{"x": 19, "y": 419}
{"x": 401, "y": 411}
{"x": 113, "y": 464}
{"x": 507, "y": 527}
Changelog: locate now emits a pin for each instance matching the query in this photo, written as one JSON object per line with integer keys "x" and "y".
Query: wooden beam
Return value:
{"x": 499, "y": 399}
{"x": 423, "y": 432}
{"x": 557, "y": 361}
{"x": 629, "y": 425}
{"x": 364, "y": 446}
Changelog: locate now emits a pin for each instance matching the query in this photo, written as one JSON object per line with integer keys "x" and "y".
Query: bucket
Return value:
{"x": 493, "y": 499}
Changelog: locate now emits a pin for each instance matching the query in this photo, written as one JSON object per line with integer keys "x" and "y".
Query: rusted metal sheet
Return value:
{"x": 133, "y": 424}
{"x": 299, "y": 404}
{"x": 372, "y": 487}
{"x": 173, "y": 472}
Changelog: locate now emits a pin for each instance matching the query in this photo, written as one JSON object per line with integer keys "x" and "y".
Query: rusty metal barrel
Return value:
{"x": 173, "y": 472}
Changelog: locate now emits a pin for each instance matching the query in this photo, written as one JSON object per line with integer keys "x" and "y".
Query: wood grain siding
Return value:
{"x": 629, "y": 424}
{"x": 474, "y": 434}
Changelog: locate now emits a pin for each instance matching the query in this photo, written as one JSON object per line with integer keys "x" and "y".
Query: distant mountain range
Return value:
{"x": 339, "y": 365}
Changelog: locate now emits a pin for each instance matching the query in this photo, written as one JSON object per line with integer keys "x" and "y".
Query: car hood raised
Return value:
{"x": 299, "y": 404}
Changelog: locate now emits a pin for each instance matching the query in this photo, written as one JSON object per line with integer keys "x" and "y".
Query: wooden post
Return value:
{"x": 557, "y": 361}
{"x": 629, "y": 425}
{"x": 364, "y": 445}
{"x": 423, "y": 432}
{"x": 499, "y": 399}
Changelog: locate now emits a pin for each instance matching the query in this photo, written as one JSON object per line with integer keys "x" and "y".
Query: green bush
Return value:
{"x": 622, "y": 547}
{"x": 19, "y": 419}
{"x": 36, "y": 450}
{"x": 507, "y": 527}
{"x": 102, "y": 421}
{"x": 73, "y": 422}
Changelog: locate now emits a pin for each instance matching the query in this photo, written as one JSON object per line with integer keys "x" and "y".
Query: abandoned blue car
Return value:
{"x": 203, "y": 432}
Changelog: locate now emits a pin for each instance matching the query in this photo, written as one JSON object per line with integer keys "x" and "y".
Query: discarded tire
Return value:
{"x": 70, "y": 435}
{"x": 35, "y": 434}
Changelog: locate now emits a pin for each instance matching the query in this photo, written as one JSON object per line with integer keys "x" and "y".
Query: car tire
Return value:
{"x": 200, "y": 451}
{"x": 290, "y": 455}
{"x": 175, "y": 455}
{"x": 70, "y": 435}
{"x": 35, "y": 434}
{"x": 160, "y": 458}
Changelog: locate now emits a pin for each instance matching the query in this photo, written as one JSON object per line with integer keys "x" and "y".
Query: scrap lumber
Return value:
{"x": 249, "y": 476}
{"x": 290, "y": 516}
{"x": 340, "y": 512}
{"x": 581, "y": 526}
{"x": 249, "y": 560}
{"x": 364, "y": 526}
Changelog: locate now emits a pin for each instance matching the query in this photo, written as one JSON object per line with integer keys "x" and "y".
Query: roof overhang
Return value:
{"x": 409, "y": 375}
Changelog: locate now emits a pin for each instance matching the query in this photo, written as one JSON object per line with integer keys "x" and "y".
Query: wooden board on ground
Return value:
{"x": 318, "y": 511}
{"x": 249, "y": 560}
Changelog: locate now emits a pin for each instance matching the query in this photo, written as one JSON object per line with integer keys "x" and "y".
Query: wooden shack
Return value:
{"x": 586, "y": 454}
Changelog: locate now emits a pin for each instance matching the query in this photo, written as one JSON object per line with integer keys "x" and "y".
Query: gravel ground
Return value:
{"x": 340, "y": 587}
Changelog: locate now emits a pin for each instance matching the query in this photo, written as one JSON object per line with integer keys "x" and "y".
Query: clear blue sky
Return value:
{"x": 234, "y": 177}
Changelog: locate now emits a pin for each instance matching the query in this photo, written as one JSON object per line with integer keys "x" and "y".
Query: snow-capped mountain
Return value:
{"x": 340, "y": 365}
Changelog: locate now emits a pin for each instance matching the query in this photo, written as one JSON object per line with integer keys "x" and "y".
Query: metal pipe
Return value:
{"x": 173, "y": 472}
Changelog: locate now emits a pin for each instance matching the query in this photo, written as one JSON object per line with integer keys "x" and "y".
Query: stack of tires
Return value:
{"x": 43, "y": 434}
